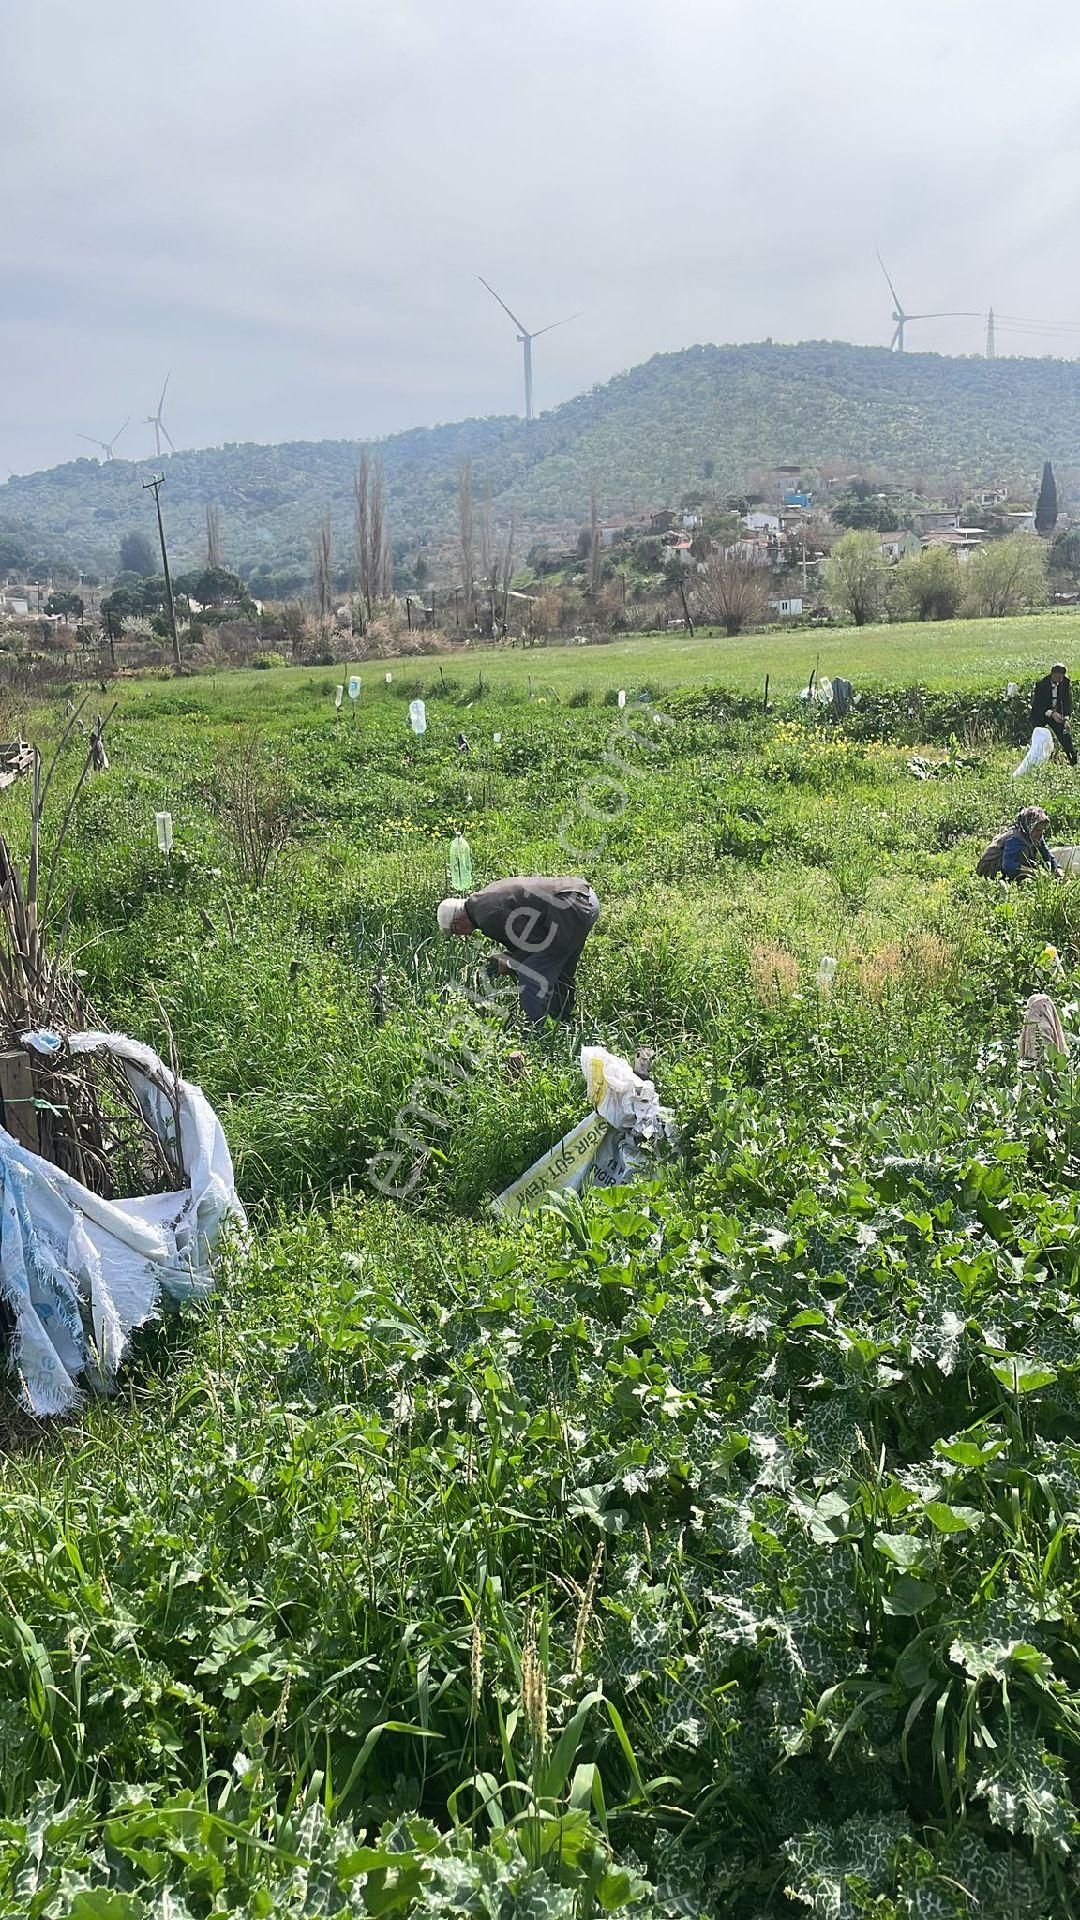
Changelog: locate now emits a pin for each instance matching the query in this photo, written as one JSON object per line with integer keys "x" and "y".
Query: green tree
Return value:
{"x": 13, "y": 554}
{"x": 1065, "y": 552}
{"x": 853, "y": 577}
{"x": 137, "y": 554}
{"x": 1008, "y": 576}
{"x": 214, "y": 587}
{"x": 65, "y": 604}
{"x": 1046, "y": 506}
{"x": 928, "y": 585}
{"x": 864, "y": 511}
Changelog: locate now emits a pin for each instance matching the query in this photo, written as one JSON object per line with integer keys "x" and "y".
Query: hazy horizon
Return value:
{"x": 290, "y": 208}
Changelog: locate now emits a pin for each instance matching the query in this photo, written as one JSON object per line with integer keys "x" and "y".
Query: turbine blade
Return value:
{"x": 164, "y": 389}
{"x": 558, "y": 323}
{"x": 165, "y": 431}
{"x": 89, "y": 438}
{"x": 892, "y": 289}
{"x": 116, "y": 436}
{"x": 503, "y": 305}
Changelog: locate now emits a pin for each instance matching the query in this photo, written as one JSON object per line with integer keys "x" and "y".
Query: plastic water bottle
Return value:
{"x": 826, "y": 973}
{"x": 461, "y": 875}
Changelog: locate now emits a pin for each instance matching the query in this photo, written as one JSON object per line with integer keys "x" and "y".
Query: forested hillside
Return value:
{"x": 707, "y": 417}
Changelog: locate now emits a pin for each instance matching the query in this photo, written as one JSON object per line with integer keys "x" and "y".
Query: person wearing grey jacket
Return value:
{"x": 542, "y": 922}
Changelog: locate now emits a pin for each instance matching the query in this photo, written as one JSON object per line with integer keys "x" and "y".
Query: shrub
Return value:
{"x": 254, "y": 803}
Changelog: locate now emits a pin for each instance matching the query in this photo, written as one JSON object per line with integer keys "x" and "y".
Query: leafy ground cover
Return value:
{"x": 708, "y": 1547}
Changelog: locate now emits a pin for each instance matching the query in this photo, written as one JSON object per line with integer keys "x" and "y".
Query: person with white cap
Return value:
{"x": 542, "y": 923}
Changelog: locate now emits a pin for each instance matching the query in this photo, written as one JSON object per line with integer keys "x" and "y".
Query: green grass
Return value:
{"x": 951, "y": 654}
{"x": 769, "y": 1463}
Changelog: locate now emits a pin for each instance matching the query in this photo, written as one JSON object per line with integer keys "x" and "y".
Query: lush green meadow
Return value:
{"x": 950, "y": 654}
{"x": 706, "y": 1547}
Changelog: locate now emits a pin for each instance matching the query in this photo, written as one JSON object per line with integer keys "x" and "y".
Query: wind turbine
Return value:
{"x": 903, "y": 319}
{"x": 155, "y": 420}
{"x": 105, "y": 445}
{"x": 526, "y": 338}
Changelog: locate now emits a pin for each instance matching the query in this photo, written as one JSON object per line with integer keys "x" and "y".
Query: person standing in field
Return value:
{"x": 543, "y": 924}
{"x": 1051, "y": 706}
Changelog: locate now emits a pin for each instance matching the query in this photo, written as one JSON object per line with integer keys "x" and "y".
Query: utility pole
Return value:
{"x": 990, "y": 348}
{"x": 154, "y": 487}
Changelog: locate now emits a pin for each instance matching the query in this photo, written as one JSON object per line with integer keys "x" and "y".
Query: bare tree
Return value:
{"x": 213, "y": 538}
{"x": 382, "y": 572}
{"x": 486, "y": 566}
{"x": 465, "y": 530}
{"x": 594, "y": 541}
{"x": 508, "y": 568}
{"x": 731, "y": 591}
{"x": 324, "y": 570}
{"x": 362, "y": 534}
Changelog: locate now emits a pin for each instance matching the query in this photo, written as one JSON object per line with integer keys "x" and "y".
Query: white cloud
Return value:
{"x": 289, "y": 202}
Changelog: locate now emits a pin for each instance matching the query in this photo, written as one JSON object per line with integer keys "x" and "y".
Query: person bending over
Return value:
{"x": 1051, "y": 705}
{"x": 1021, "y": 849}
{"x": 543, "y": 924}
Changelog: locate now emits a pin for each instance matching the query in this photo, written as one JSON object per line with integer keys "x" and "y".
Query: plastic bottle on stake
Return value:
{"x": 418, "y": 717}
{"x": 339, "y": 695}
{"x": 461, "y": 873}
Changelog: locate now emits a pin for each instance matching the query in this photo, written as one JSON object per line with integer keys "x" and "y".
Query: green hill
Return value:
{"x": 705, "y": 417}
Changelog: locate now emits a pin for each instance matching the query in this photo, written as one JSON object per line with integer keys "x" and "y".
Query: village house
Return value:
{"x": 760, "y": 522}
{"x": 962, "y": 541}
{"x": 895, "y": 545}
{"x": 787, "y": 605}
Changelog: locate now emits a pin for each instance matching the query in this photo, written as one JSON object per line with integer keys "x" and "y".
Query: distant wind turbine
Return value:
{"x": 105, "y": 445}
{"x": 903, "y": 319}
{"x": 526, "y": 338}
{"x": 155, "y": 420}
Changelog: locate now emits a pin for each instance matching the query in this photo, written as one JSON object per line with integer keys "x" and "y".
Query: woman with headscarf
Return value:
{"x": 1021, "y": 849}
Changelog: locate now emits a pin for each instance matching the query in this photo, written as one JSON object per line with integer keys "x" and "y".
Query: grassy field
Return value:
{"x": 708, "y": 1547}
{"x": 951, "y": 654}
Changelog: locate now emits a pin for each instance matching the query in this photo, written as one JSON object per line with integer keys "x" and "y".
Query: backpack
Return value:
{"x": 989, "y": 863}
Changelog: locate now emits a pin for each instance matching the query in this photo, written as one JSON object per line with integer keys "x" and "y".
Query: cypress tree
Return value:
{"x": 1046, "y": 505}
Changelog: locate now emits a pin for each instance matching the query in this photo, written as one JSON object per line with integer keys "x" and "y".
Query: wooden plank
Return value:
{"x": 20, "y": 1114}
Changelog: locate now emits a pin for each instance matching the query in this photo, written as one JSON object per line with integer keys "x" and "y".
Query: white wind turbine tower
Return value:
{"x": 155, "y": 420}
{"x": 105, "y": 445}
{"x": 526, "y": 338}
{"x": 903, "y": 319}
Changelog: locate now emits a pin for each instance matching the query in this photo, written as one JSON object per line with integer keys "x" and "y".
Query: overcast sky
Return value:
{"x": 287, "y": 202}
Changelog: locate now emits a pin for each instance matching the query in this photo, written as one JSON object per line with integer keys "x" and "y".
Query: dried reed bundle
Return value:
{"x": 88, "y": 1119}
